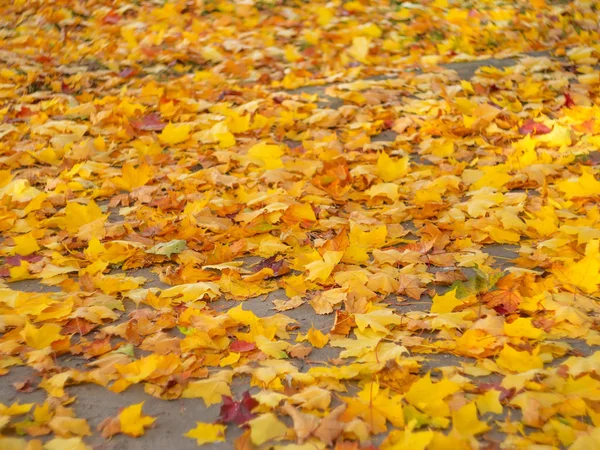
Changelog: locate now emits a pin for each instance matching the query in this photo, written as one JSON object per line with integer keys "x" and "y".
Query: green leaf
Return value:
{"x": 168, "y": 248}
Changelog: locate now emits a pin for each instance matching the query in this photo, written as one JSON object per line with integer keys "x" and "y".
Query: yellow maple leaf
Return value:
{"x": 74, "y": 443}
{"x": 174, "y": 134}
{"x": 362, "y": 241}
{"x": 25, "y": 244}
{"x": 387, "y": 190}
{"x": 133, "y": 422}
{"x": 560, "y": 136}
{"x": 55, "y": 384}
{"x": 316, "y": 338}
{"x": 266, "y": 155}
{"x": 429, "y": 397}
{"x": 376, "y": 406}
{"x": 585, "y": 273}
{"x": 377, "y": 319}
{"x": 65, "y": 426}
{"x": 324, "y": 15}
{"x": 16, "y": 409}
{"x": 78, "y": 215}
{"x": 133, "y": 177}
{"x": 43, "y": 337}
{"x": 205, "y": 433}
{"x": 445, "y": 303}
{"x": 408, "y": 439}
{"x": 466, "y": 423}
{"x": 210, "y": 390}
{"x": 516, "y": 361}
{"x": 523, "y": 327}
{"x": 389, "y": 169}
{"x": 266, "y": 427}
{"x": 493, "y": 176}
{"x": 360, "y": 49}
{"x": 489, "y": 402}
{"x": 584, "y": 186}
{"x": 320, "y": 270}
{"x": 220, "y": 132}
{"x": 291, "y": 53}
{"x": 274, "y": 349}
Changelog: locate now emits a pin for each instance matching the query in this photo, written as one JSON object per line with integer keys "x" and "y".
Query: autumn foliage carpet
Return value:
{"x": 300, "y": 225}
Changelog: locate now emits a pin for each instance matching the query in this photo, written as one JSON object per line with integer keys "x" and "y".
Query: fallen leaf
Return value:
{"x": 206, "y": 433}
{"x": 133, "y": 422}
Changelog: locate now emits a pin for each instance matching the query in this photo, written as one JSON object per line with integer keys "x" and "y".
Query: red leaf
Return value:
{"x": 242, "y": 346}
{"x": 150, "y": 122}
{"x": 16, "y": 260}
{"x": 66, "y": 88}
{"x": 111, "y": 18}
{"x": 43, "y": 59}
{"x": 25, "y": 112}
{"x": 237, "y": 412}
{"x": 532, "y": 127}
{"x": 504, "y": 301}
{"x": 128, "y": 72}
{"x": 569, "y": 103}
{"x": 78, "y": 326}
{"x": 279, "y": 267}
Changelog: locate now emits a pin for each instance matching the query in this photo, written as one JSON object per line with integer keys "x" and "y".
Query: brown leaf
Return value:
{"x": 304, "y": 424}
{"x": 343, "y": 324}
{"x": 286, "y": 305}
{"x": 449, "y": 277}
{"x": 244, "y": 442}
{"x": 300, "y": 351}
{"x": 331, "y": 427}
{"x": 410, "y": 285}
{"x": 109, "y": 427}
{"x": 504, "y": 301}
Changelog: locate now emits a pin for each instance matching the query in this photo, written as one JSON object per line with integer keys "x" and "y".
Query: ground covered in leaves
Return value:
{"x": 299, "y": 225}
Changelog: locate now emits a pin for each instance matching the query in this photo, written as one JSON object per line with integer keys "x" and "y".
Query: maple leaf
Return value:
{"x": 584, "y": 186}
{"x": 266, "y": 427}
{"x": 446, "y": 303}
{"x": 377, "y": 319}
{"x": 506, "y": 298}
{"x": 167, "y": 249}
{"x": 304, "y": 424}
{"x": 449, "y": 277}
{"x": 519, "y": 361}
{"x": 150, "y": 122}
{"x": 429, "y": 397}
{"x": 174, "y": 134}
{"x": 466, "y": 423}
{"x": 330, "y": 428}
{"x": 133, "y": 177}
{"x": 25, "y": 245}
{"x": 410, "y": 285}
{"x": 43, "y": 337}
{"x": 237, "y": 412}
{"x": 532, "y": 127}
{"x": 390, "y": 170}
{"x": 133, "y": 422}
{"x": 210, "y": 390}
{"x": 206, "y": 433}
{"x": 320, "y": 270}
{"x": 278, "y": 267}
{"x": 569, "y": 102}
{"x": 242, "y": 346}
{"x": 376, "y": 406}
{"x": 267, "y": 155}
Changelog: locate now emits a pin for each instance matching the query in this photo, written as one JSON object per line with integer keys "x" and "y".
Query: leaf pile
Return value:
{"x": 400, "y": 258}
